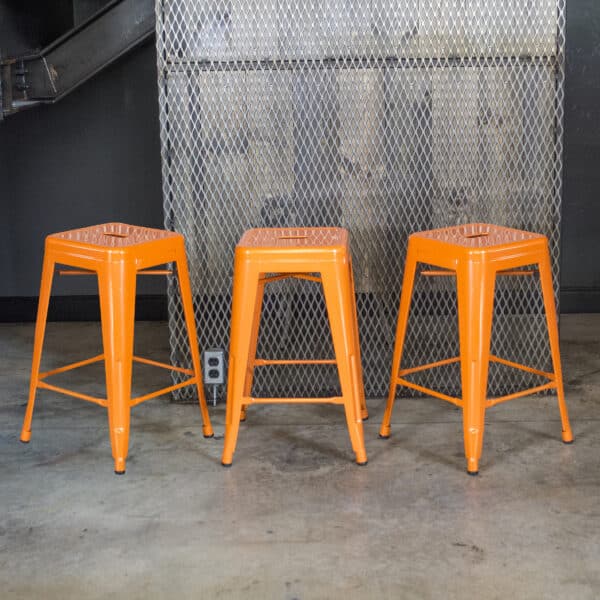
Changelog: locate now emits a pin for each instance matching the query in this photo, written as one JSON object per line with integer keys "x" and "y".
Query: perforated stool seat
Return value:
{"x": 116, "y": 253}
{"x": 265, "y": 255}
{"x": 476, "y": 253}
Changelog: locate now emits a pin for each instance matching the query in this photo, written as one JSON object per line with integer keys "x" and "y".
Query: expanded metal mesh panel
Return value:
{"x": 384, "y": 117}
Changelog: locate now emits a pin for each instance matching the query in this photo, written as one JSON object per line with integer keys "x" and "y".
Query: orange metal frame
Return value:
{"x": 263, "y": 362}
{"x": 296, "y": 254}
{"x": 116, "y": 253}
{"x": 489, "y": 402}
{"x": 476, "y": 253}
{"x": 41, "y": 383}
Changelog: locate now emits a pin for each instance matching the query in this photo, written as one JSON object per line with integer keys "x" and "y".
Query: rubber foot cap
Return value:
{"x": 472, "y": 473}
{"x": 208, "y": 436}
{"x": 384, "y": 437}
{"x": 569, "y": 442}
{"x": 24, "y": 441}
{"x": 119, "y": 472}
{"x": 362, "y": 464}
{"x": 226, "y": 464}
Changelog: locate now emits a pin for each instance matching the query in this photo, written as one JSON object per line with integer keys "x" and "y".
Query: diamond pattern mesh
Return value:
{"x": 381, "y": 116}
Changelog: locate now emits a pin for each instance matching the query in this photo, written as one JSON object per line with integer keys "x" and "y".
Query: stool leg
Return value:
{"x": 551, "y": 321}
{"x": 116, "y": 285}
{"x": 338, "y": 297}
{"x": 185, "y": 290}
{"x": 253, "y": 345}
{"x": 408, "y": 280}
{"x": 245, "y": 291}
{"x": 475, "y": 286}
{"x": 360, "y": 388}
{"x": 40, "y": 330}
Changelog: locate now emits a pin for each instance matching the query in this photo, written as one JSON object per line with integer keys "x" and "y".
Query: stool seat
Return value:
{"x": 477, "y": 235}
{"x": 116, "y": 253}
{"x": 113, "y": 235}
{"x": 305, "y": 238}
{"x": 503, "y": 247}
{"x": 88, "y": 247}
{"x": 476, "y": 253}
{"x": 320, "y": 254}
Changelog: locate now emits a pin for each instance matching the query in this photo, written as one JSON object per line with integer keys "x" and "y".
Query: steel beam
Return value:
{"x": 61, "y": 67}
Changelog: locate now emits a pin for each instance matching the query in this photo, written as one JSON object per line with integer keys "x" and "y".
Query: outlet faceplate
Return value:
{"x": 213, "y": 366}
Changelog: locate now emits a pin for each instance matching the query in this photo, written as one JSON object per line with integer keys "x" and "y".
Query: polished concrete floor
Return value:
{"x": 295, "y": 518}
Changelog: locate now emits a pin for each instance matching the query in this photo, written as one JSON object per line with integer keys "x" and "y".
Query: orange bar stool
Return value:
{"x": 476, "y": 253}
{"x": 116, "y": 253}
{"x": 265, "y": 255}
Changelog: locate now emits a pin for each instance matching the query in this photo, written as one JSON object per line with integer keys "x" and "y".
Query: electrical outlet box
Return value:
{"x": 213, "y": 366}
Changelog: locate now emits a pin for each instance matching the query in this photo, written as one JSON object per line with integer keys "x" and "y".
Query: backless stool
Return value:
{"x": 476, "y": 253}
{"x": 116, "y": 253}
{"x": 265, "y": 255}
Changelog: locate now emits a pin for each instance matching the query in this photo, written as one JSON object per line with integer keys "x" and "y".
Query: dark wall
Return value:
{"x": 84, "y": 9}
{"x": 95, "y": 156}
{"x": 580, "y": 261}
{"x": 92, "y": 157}
{"x": 29, "y": 25}
{"x": 26, "y": 26}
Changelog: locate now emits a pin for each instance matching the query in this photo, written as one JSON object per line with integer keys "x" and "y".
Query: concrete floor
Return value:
{"x": 294, "y": 517}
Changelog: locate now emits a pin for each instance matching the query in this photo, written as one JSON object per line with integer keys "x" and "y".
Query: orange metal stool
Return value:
{"x": 476, "y": 253}
{"x": 116, "y": 253}
{"x": 265, "y": 255}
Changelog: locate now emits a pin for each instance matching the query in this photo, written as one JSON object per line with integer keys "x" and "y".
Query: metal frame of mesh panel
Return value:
{"x": 380, "y": 116}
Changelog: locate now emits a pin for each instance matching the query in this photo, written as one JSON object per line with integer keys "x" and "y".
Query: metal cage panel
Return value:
{"x": 381, "y": 116}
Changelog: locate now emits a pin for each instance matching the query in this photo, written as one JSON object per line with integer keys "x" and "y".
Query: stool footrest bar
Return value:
{"x": 104, "y": 401}
{"x": 263, "y": 362}
{"x": 510, "y": 363}
{"x": 89, "y": 361}
{"x": 70, "y": 366}
{"x": 155, "y": 363}
{"x": 527, "y": 392}
{"x": 439, "y": 363}
{"x": 62, "y": 390}
{"x": 488, "y": 403}
{"x": 171, "y": 388}
{"x": 330, "y": 400}
{"x": 429, "y": 391}
{"x": 493, "y": 358}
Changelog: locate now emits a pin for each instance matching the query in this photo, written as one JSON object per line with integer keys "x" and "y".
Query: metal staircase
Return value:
{"x": 47, "y": 76}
